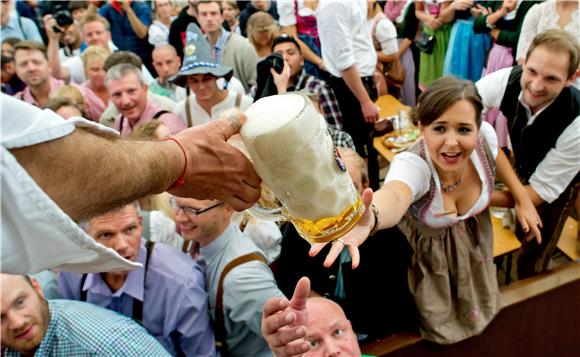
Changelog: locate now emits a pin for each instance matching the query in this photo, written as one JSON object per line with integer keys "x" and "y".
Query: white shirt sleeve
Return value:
{"x": 286, "y": 12}
{"x": 386, "y": 34}
{"x": 560, "y": 165}
{"x": 36, "y": 234}
{"x": 491, "y": 137}
{"x": 336, "y": 34}
{"x": 529, "y": 30}
{"x": 157, "y": 34}
{"x": 412, "y": 170}
{"x": 492, "y": 87}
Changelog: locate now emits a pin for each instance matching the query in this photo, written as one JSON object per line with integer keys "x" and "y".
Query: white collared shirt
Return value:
{"x": 345, "y": 37}
{"x": 562, "y": 163}
{"x": 36, "y": 233}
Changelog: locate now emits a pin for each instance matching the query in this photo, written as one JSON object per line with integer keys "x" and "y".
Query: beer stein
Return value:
{"x": 292, "y": 151}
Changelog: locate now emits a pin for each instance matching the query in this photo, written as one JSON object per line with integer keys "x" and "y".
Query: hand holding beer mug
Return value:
{"x": 293, "y": 153}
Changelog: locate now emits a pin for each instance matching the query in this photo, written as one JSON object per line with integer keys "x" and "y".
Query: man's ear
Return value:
{"x": 572, "y": 78}
{"x": 36, "y": 286}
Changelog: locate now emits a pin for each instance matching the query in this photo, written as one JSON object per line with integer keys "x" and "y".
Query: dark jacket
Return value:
{"x": 178, "y": 29}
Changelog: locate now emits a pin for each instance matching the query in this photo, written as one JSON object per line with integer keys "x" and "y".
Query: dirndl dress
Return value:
{"x": 431, "y": 65}
{"x": 466, "y": 53}
{"x": 452, "y": 276}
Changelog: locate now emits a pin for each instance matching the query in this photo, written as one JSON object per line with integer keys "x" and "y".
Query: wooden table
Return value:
{"x": 389, "y": 106}
{"x": 504, "y": 240}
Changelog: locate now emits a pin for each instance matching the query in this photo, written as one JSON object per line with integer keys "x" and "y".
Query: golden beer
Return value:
{"x": 329, "y": 229}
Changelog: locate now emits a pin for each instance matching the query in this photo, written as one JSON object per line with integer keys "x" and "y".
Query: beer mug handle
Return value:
{"x": 268, "y": 214}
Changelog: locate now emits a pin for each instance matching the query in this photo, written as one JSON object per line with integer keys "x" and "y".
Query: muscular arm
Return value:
{"x": 91, "y": 172}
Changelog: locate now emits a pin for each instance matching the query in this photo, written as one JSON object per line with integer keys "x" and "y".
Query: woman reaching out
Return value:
{"x": 438, "y": 194}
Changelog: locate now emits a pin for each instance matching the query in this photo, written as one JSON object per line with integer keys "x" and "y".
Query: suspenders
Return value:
{"x": 137, "y": 314}
{"x": 219, "y": 327}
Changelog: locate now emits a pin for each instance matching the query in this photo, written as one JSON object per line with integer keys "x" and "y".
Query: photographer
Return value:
{"x": 65, "y": 42}
{"x": 289, "y": 76}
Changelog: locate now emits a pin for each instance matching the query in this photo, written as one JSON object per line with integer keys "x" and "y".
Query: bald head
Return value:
{"x": 166, "y": 62}
{"x": 328, "y": 331}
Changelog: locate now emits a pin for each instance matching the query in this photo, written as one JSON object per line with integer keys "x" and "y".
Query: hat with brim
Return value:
{"x": 197, "y": 58}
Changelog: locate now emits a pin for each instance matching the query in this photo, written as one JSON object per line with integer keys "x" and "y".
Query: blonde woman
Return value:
{"x": 158, "y": 32}
{"x": 262, "y": 30}
{"x": 94, "y": 58}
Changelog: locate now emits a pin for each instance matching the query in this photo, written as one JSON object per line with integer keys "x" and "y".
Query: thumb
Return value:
{"x": 231, "y": 124}
{"x": 300, "y": 295}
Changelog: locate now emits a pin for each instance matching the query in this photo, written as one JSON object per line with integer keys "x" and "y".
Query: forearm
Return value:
{"x": 447, "y": 13}
{"x": 381, "y": 57}
{"x": 54, "y": 60}
{"x": 393, "y": 201}
{"x": 136, "y": 24}
{"x": 92, "y": 173}
{"x": 355, "y": 84}
{"x": 406, "y": 43}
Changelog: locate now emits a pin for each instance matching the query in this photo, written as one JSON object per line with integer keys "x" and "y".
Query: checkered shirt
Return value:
{"x": 341, "y": 138}
{"x": 326, "y": 98}
{"x": 78, "y": 329}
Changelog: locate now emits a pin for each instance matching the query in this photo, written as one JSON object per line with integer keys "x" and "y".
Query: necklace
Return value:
{"x": 448, "y": 188}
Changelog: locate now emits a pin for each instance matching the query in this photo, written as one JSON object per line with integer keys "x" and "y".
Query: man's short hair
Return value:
{"x": 165, "y": 46}
{"x": 31, "y": 46}
{"x": 85, "y": 224}
{"x": 92, "y": 17}
{"x": 120, "y": 57}
{"x": 560, "y": 41}
{"x": 208, "y": 2}
{"x": 119, "y": 71}
{"x": 285, "y": 38}
{"x": 77, "y": 5}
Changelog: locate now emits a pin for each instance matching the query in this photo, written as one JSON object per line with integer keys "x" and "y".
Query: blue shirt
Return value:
{"x": 175, "y": 304}
{"x": 78, "y": 329}
{"x": 25, "y": 29}
{"x": 246, "y": 289}
{"x": 219, "y": 46}
{"x": 122, "y": 33}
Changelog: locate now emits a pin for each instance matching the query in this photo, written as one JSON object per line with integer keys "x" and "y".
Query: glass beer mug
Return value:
{"x": 293, "y": 153}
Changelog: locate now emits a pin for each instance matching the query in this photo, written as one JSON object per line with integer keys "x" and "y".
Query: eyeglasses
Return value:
{"x": 191, "y": 212}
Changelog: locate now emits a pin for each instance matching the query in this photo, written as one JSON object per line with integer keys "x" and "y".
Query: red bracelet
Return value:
{"x": 181, "y": 180}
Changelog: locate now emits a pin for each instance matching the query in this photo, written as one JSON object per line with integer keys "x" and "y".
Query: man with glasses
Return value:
{"x": 238, "y": 281}
{"x": 167, "y": 295}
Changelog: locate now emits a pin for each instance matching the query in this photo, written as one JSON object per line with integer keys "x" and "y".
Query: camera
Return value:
{"x": 274, "y": 60}
{"x": 61, "y": 14}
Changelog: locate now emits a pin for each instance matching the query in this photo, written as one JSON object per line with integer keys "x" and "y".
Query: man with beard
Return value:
{"x": 32, "y": 325}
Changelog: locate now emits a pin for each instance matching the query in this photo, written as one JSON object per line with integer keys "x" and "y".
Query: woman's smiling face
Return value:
{"x": 451, "y": 138}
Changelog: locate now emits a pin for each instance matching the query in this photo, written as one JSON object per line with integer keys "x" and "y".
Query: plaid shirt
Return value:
{"x": 341, "y": 138}
{"x": 82, "y": 329}
{"x": 326, "y": 98}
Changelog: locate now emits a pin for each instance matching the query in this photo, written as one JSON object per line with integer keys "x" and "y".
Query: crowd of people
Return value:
{"x": 125, "y": 186}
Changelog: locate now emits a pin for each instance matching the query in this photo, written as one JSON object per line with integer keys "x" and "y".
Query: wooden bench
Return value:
{"x": 568, "y": 242}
